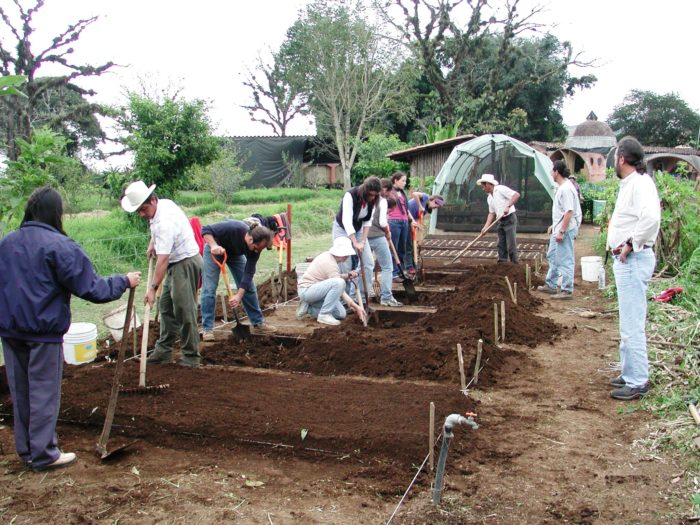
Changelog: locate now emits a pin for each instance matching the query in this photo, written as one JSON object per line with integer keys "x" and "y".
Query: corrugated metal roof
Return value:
{"x": 406, "y": 154}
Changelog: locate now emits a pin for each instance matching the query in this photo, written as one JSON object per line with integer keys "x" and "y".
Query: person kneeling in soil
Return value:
{"x": 242, "y": 245}
{"x": 323, "y": 286}
{"x": 40, "y": 268}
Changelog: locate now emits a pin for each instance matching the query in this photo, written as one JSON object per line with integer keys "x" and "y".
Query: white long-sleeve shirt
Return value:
{"x": 637, "y": 213}
{"x": 347, "y": 215}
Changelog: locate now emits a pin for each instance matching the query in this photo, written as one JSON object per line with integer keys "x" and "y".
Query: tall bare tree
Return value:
{"x": 349, "y": 71}
{"x": 276, "y": 98}
{"x": 18, "y": 58}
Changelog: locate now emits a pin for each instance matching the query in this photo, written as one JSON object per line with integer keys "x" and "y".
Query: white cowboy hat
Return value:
{"x": 135, "y": 195}
{"x": 487, "y": 178}
{"x": 342, "y": 247}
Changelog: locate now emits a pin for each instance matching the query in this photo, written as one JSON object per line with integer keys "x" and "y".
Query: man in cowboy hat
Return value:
{"x": 501, "y": 200}
{"x": 178, "y": 268}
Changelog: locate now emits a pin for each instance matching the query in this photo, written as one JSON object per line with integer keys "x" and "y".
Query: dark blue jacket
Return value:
{"x": 39, "y": 270}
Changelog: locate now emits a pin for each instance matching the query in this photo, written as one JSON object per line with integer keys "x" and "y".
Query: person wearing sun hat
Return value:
{"x": 501, "y": 200}
{"x": 178, "y": 268}
{"x": 323, "y": 285}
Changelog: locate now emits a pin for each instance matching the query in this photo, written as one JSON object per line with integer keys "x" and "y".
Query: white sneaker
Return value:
{"x": 208, "y": 335}
{"x": 302, "y": 310}
{"x": 63, "y": 460}
{"x": 328, "y": 319}
{"x": 391, "y": 302}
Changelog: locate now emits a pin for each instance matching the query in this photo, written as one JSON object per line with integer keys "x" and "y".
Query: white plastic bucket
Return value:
{"x": 300, "y": 269}
{"x": 80, "y": 343}
{"x": 590, "y": 266}
{"x": 114, "y": 320}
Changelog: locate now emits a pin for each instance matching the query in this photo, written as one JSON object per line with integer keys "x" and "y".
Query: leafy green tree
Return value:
{"x": 349, "y": 72}
{"x": 660, "y": 120}
{"x": 481, "y": 68}
{"x": 168, "y": 137}
{"x": 55, "y": 100}
{"x": 372, "y": 157}
{"x": 224, "y": 176}
{"x": 41, "y": 161}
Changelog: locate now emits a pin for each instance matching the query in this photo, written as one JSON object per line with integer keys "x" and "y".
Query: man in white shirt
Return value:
{"x": 632, "y": 232}
{"x": 566, "y": 220}
{"x": 501, "y": 200}
{"x": 178, "y": 268}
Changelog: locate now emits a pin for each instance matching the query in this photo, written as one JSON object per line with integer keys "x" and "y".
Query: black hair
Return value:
{"x": 260, "y": 233}
{"x": 390, "y": 203}
{"x": 370, "y": 184}
{"x": 632, "y": 151}
{"x": 387, "y": 184}
{"x": 560, "y": 167}
{"x": 45, "y": 205}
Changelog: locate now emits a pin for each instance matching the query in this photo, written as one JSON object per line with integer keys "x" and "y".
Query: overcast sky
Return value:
{"x": 205, "y": 46}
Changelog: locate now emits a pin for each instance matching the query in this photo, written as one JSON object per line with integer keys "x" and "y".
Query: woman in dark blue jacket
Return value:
{"x": 40, "y": 268}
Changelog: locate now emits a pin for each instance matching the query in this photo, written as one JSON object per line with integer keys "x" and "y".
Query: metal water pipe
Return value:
{"x": 447, "y": 435}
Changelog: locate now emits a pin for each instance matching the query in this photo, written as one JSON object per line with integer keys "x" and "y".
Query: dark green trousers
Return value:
{"x": 178, "y": 309}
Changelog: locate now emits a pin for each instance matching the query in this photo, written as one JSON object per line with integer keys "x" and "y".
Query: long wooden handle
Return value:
{"x": 393, "y": 252}
{"x": 112, "y": 406}
{"x": 145, "y": 328}
{"x": 476, "y": 239}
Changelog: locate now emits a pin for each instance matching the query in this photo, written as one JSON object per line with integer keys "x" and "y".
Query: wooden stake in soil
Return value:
{"x": 515, "y": 293}
{"x": 503, "y": 321}
{"x": 510, "y": 288}
{"x": 431, "y": 436}
{"x": 528, "y": 281}
{"x": 224, "y": 310}
{"x": 460, "y": 360}
{"x": 495, "y": 324}
{"x": 477, "y": 365}
{"x": 286, "y": 284}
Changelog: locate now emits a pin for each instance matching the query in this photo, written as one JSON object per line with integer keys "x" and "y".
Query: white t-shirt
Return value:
{"x": 172, "y": 233}
{"x": 566, "y": 199}
{"x": 637, "y": 214}
{"x": 499, "y": 199}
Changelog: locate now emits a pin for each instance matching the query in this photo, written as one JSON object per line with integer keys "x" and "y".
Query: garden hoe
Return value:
{"x": 142, "y": 388}
{"x": 107, "y": 427}
{"x": 407, "y": 283}
{"x": 240, "y": 331}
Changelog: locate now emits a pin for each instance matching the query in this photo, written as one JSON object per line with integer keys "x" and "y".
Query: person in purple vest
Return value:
{"x": 40, "y": 268}
{"x": 354, "y": 219}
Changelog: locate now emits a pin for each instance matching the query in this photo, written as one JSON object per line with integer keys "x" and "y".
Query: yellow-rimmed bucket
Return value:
{"x": 80, "y": 343}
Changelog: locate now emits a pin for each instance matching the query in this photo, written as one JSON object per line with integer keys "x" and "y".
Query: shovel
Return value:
{"x": 472, "y": 242}
{"x": 240, "y": 331}
{"x": 111, "y": 408}
{"x": 407, "y": 283}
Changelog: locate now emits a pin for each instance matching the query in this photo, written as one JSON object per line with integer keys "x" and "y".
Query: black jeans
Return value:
{"x": 507, "y": 243}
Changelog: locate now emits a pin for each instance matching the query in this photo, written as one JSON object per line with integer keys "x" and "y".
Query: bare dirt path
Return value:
{"x": 224, "y": 444}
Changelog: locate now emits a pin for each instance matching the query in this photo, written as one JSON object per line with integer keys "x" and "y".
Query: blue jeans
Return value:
{"x": 401, "y": 237}
{"x": 211, "y": 281}
{"x": 380, "y": 249}
{"x": 560, "y": 256}
{"x": 367, "y": 259}
{"x": 324, "y": 298}
{"x": 632, "y": 278}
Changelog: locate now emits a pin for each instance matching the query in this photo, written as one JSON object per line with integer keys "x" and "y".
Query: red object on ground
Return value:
{"x": 667, "y": 295}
